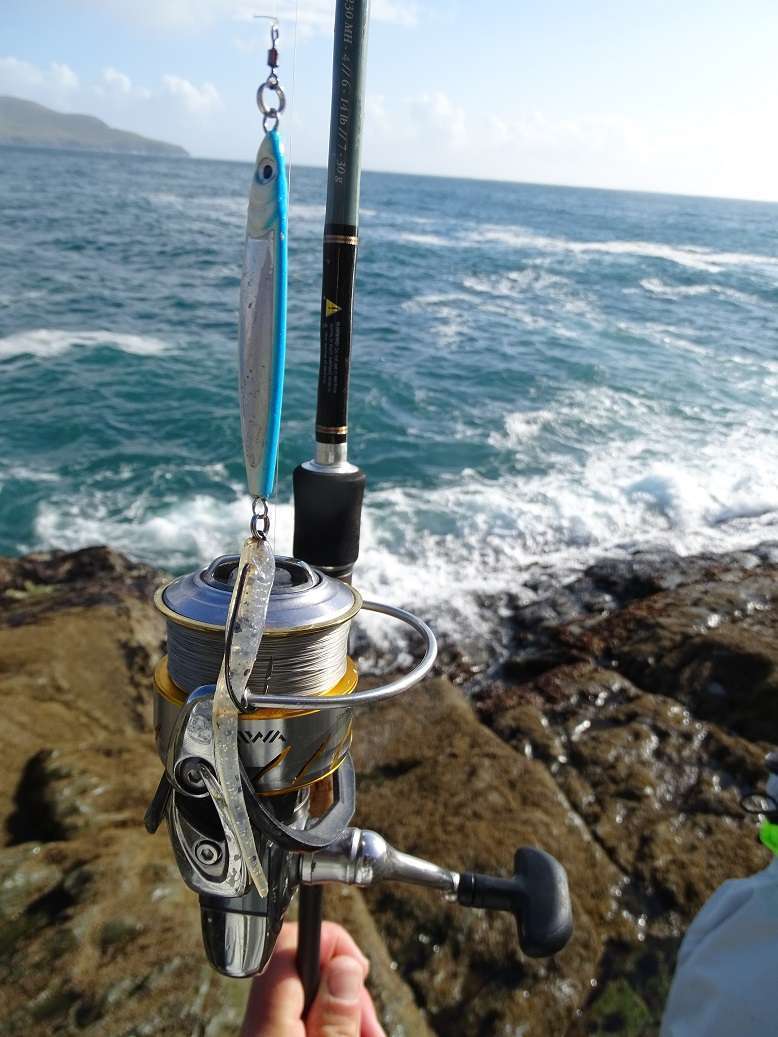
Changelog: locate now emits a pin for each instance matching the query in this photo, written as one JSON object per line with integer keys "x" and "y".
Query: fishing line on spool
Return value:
{"x": 304, "y": 663}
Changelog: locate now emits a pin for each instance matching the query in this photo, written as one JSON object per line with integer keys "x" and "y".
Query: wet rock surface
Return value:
{"x": 648, "y": 689}
{"x": 634, "y": 709}
{"x": 97, "y": 933}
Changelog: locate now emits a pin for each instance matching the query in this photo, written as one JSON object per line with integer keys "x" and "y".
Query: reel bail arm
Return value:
{"x": 537, "y": 895}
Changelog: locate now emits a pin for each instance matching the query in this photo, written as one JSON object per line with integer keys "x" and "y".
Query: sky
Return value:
{"x": 678, "y": 96}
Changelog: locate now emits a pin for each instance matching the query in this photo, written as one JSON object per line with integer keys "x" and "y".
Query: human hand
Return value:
{"x": 342, "y": 1007}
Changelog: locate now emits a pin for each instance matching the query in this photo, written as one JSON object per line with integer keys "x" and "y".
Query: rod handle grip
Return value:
{"x": 537, "y": 895}
{"x": 327, "y": 515}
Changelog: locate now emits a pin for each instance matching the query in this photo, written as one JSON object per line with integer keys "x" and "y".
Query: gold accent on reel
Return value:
{"x": 168, "y": 689}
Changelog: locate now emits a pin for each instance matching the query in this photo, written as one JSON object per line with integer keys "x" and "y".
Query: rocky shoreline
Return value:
{"x": 634, "y": 708}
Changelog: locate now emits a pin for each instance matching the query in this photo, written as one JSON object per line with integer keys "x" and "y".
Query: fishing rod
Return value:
{"x": 328, "y": 490}
{"x": 253, "y": 702}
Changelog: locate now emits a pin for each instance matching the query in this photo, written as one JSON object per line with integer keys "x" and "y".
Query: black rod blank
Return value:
{"x": 342, "y": 218}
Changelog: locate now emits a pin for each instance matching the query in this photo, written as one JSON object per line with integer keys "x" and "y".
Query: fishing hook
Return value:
{"x": 231, "y": 634}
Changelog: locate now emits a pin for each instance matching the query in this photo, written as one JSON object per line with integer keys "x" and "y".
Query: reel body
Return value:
{"x": 283, "y": 752}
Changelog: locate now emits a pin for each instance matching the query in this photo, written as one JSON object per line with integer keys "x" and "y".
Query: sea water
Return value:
{"x": 540, "y": 375}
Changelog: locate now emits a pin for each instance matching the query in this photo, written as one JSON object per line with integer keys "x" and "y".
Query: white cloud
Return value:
{"x": 22, "y": 77}
{"x": 114, "y": 97}
{"x": 727, "y": 155}
{"x": 195, "y": 99}
{"x": 375, "y": 111}
{"x": 64, "y": 76}
{"x": 55, "y": 85}
{"x": 120, "y": 87}
{"x": 116, "y": 80}
{"x": 16, "y": 75}
{"x": 436, "y": 112}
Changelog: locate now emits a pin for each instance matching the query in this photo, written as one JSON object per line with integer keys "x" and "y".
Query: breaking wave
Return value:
{"x": 654, "y": 286}
{"x": 422, "y": 548}
{"x": 49, "y": 342}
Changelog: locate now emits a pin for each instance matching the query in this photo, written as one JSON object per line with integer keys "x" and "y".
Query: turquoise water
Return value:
{"x": 540, "y": 374}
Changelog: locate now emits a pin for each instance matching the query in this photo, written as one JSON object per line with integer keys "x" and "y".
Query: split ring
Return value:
{"x": 272, "y": 112}
{"x": 260, "y": 518}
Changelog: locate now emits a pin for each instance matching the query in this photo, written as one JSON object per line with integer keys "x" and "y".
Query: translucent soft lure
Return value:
{"x": 262, "y": 341}
{"x": 262, "y": 349}
{"x": 245, "y": 626}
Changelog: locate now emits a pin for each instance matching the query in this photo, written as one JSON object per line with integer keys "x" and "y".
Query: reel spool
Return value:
{"x": 304, "y": 649}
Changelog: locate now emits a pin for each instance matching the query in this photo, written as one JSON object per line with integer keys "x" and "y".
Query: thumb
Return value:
{"x": 337, "y": 1008}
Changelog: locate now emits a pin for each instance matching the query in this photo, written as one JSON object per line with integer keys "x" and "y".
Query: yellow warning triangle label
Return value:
{"x": 330, "y": 308}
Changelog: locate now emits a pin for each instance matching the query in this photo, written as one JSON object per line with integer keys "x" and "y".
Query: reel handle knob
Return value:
{"x": 538, "y": 896}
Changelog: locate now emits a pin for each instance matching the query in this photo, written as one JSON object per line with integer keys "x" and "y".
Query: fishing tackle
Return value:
{"x": 253, "y": 703}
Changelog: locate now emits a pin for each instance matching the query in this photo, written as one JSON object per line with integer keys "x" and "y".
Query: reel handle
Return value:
{"x": 538, "y": 896}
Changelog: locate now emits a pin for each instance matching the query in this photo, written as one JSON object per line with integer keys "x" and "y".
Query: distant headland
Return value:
{"x": 31, "y": 125}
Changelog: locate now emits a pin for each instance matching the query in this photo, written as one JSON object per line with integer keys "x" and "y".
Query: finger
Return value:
{"x": 275, "y": 1002}
{"x": 335, "y": 941}
{"x": 370, "y": 1024}
{"x": 288, "y": 937}
{"x": 337, "y": 1008}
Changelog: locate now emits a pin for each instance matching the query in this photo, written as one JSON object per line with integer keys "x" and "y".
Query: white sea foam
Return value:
{"x": 307, "y": 212}
{"x": 654, "y": 286}
{"x": 520, "y": 427}
{"x": 665, "y": 335}
{"x": 443, "y": 549}
{"x": 165, "y": 198}
{"x": 50, "y": 342}
{"x": 531, "y": 279}
{"x": 427, "y": 240}
{"x": 227, "y": 208}
{"x": 692, "y": 256}
{"x": 27, "y": 474}
{"x": 11, "y": 300}
{"x": 200, "y": 527}
{"x": 447, "y": 311}
{"x": 522, "y": 294}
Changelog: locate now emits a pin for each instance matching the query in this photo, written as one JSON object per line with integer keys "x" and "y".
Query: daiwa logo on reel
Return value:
{"x": 267, "y": 737}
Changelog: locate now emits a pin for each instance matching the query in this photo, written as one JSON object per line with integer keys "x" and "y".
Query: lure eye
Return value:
{"x": 266, "y": 172}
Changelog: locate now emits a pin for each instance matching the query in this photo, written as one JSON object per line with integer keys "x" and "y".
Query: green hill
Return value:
{"x": 27, "y": 124}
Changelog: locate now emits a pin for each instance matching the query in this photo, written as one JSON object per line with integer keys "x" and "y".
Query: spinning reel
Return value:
{"x": 295, "y": 735}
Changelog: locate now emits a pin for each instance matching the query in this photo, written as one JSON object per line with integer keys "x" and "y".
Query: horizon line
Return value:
{"x": 392, "y": 172}
{"x": 518, "y": 183}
